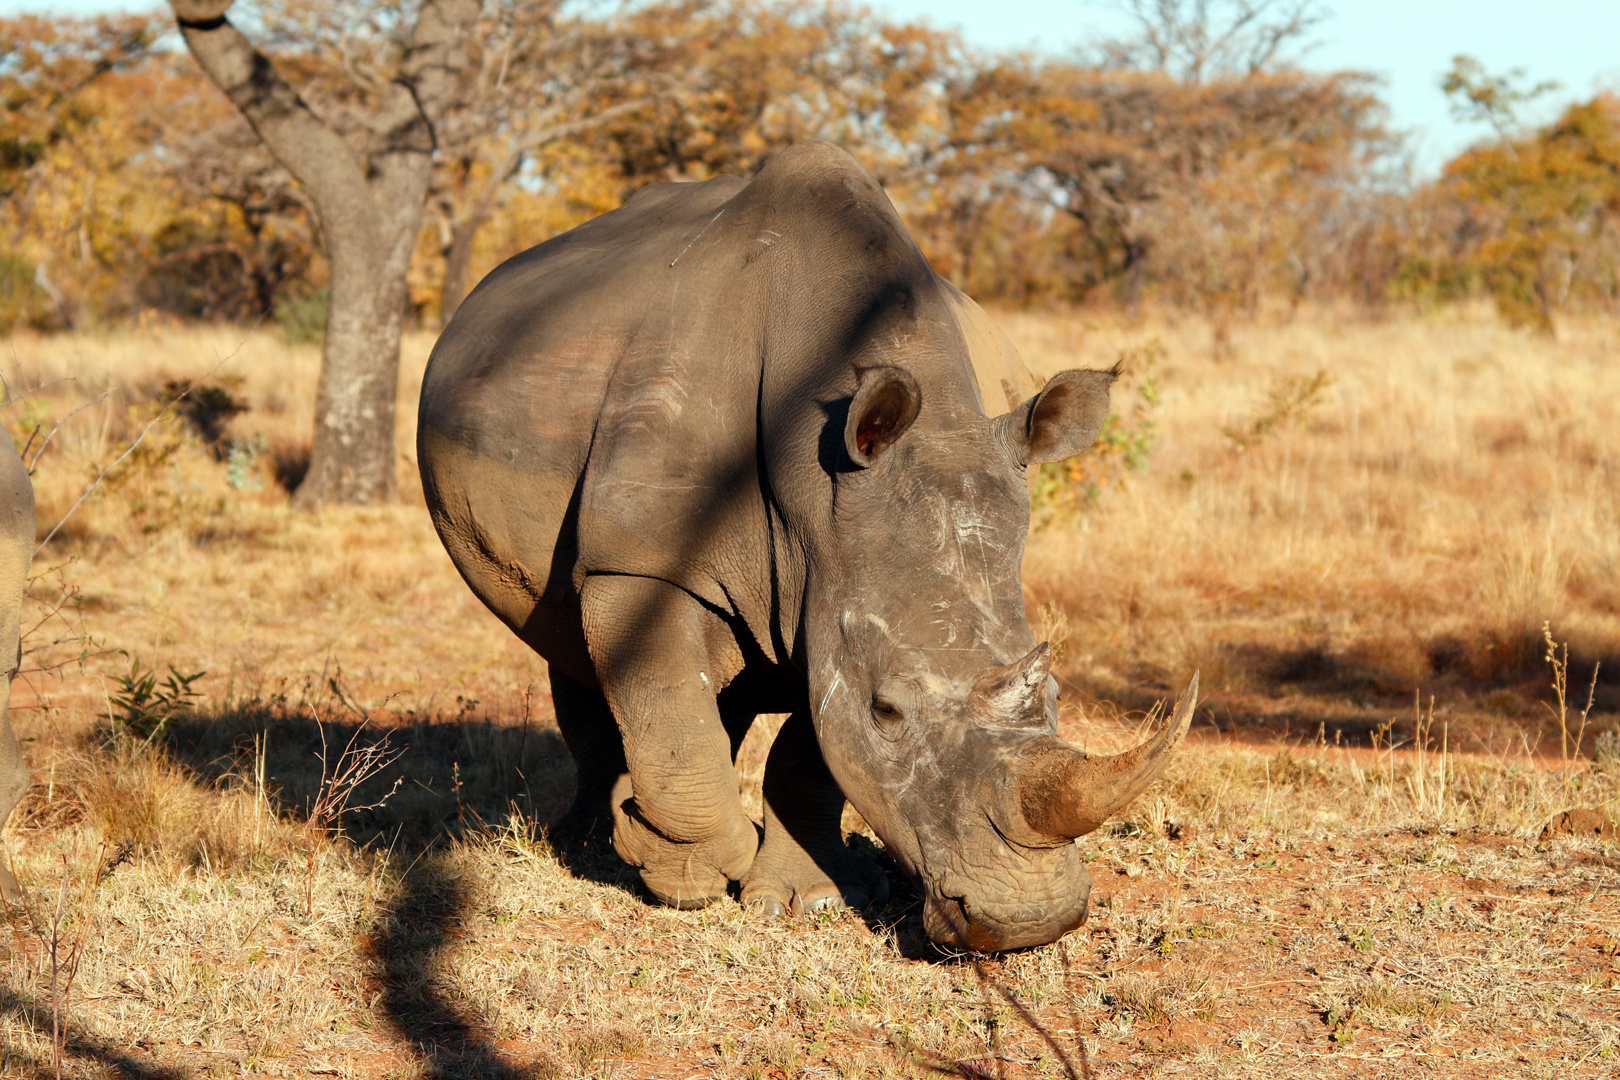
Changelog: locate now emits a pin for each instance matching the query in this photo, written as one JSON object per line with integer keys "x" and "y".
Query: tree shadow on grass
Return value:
{"x": 447, "y": 777}
{"x": 407, "y": 959}
{"x": 1492, "y": 697}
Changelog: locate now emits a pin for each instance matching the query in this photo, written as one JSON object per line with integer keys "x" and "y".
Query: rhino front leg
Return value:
{"x": 804, "y": 864}
{"x": 661, "y": 658}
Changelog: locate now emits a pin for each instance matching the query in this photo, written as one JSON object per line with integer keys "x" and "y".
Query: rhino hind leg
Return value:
{"x": 592, "y": 736}
{"x": 803, "y": 864}
{"x": 661, "y": 658}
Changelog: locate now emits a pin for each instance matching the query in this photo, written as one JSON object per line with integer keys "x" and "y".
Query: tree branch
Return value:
{"x": 428, "y": 83}
{"x": 315, "y": 154}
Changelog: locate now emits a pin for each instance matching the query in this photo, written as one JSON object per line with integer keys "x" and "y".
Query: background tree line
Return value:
{"x": 1192, "y": 164}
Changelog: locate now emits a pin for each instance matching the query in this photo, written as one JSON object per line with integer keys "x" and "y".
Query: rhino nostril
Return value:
{"x": 947, "y": 921}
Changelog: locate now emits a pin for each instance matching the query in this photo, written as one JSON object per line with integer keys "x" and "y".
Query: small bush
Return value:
{"x": 143, "y": 707}
{"x": 242, "y": 464}
{"x": 1288, "y": 401}
{"x": 206, "y": 408}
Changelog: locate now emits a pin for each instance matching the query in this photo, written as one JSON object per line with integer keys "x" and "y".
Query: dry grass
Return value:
{"x": 1454, "y": 489}
{"x": 1292, "y": 900}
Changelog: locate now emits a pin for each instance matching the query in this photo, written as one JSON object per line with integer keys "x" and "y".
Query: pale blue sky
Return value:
{"x": 1407, "y": 42}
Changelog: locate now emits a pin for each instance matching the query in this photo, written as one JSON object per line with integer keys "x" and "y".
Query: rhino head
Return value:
{"x": 934, "y": 705}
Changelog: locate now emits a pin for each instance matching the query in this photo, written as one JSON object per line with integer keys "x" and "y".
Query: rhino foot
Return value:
{"x": 804, "y": 865}
{"x": 787, "y": 879}
{"x": 682, "y": 874}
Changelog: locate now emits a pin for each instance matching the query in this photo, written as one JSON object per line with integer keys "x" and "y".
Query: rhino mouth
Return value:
{"x": 957, "y": 922}
{"x": 956, "y": 915}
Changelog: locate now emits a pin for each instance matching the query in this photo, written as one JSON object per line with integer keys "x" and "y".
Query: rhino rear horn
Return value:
{"x": 1063, "y": 419}
{"x": 884, "y": 407}
{"x": 1014, "y": 692}
{"x": 1064, "y": 793}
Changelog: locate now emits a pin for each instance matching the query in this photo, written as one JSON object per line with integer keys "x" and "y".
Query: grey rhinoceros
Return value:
{"x": 16, "y": 550}
{"x": 734, "y": 448}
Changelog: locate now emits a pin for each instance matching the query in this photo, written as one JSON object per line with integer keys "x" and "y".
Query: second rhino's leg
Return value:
{"x": 592, "y": 735}
{"x": 14, "y": 782}
{"x": 804, "y": 864}
{"x": 661, "y": 657}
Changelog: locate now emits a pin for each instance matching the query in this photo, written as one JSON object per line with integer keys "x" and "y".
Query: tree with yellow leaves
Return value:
{"x": 59, "y": 155}
{"x": 1535, "y": 216}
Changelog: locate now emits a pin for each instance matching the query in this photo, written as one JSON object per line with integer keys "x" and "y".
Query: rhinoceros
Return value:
{"x": 16, "y": 551}
{"x": 734, "y": 448}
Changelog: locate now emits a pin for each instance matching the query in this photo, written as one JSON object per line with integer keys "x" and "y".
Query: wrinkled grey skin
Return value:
{"x": 16, "y": 550}
{"x": 725, "y": 451}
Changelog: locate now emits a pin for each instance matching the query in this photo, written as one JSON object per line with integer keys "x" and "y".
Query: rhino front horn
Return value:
{"x": 1064, "y": 793}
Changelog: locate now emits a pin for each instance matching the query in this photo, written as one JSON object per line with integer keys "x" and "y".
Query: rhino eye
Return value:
{"x": 886, "y": 712}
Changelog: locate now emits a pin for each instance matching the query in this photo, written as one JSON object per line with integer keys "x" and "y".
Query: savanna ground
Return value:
{"x": 1353, "y": 562}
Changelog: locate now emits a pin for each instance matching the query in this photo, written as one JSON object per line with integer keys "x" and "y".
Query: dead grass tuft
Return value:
{"x": 139, "y": 798}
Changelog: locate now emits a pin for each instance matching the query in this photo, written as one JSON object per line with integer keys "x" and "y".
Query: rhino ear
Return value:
{"x": 1063, "y": 419}
{"x": 883, "y": 408}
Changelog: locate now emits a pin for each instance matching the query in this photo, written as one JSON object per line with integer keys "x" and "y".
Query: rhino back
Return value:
{"x": 521, "y": 372}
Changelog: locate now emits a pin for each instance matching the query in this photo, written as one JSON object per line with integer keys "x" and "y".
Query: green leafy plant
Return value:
{"x": 1338, "y": 1022}
{"x": 143, "y": 706}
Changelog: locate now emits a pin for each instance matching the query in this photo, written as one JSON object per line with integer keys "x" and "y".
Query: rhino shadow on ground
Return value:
{"x": 901, "y": 917}
{"x": 461, "y": 775}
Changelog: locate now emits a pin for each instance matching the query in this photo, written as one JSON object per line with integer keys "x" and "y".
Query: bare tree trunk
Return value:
{"x": 352, "y": 460}
{"x": 370, "y": 209}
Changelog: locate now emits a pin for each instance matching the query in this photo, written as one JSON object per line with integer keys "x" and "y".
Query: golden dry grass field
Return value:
{"x": 1354, "y": 561}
